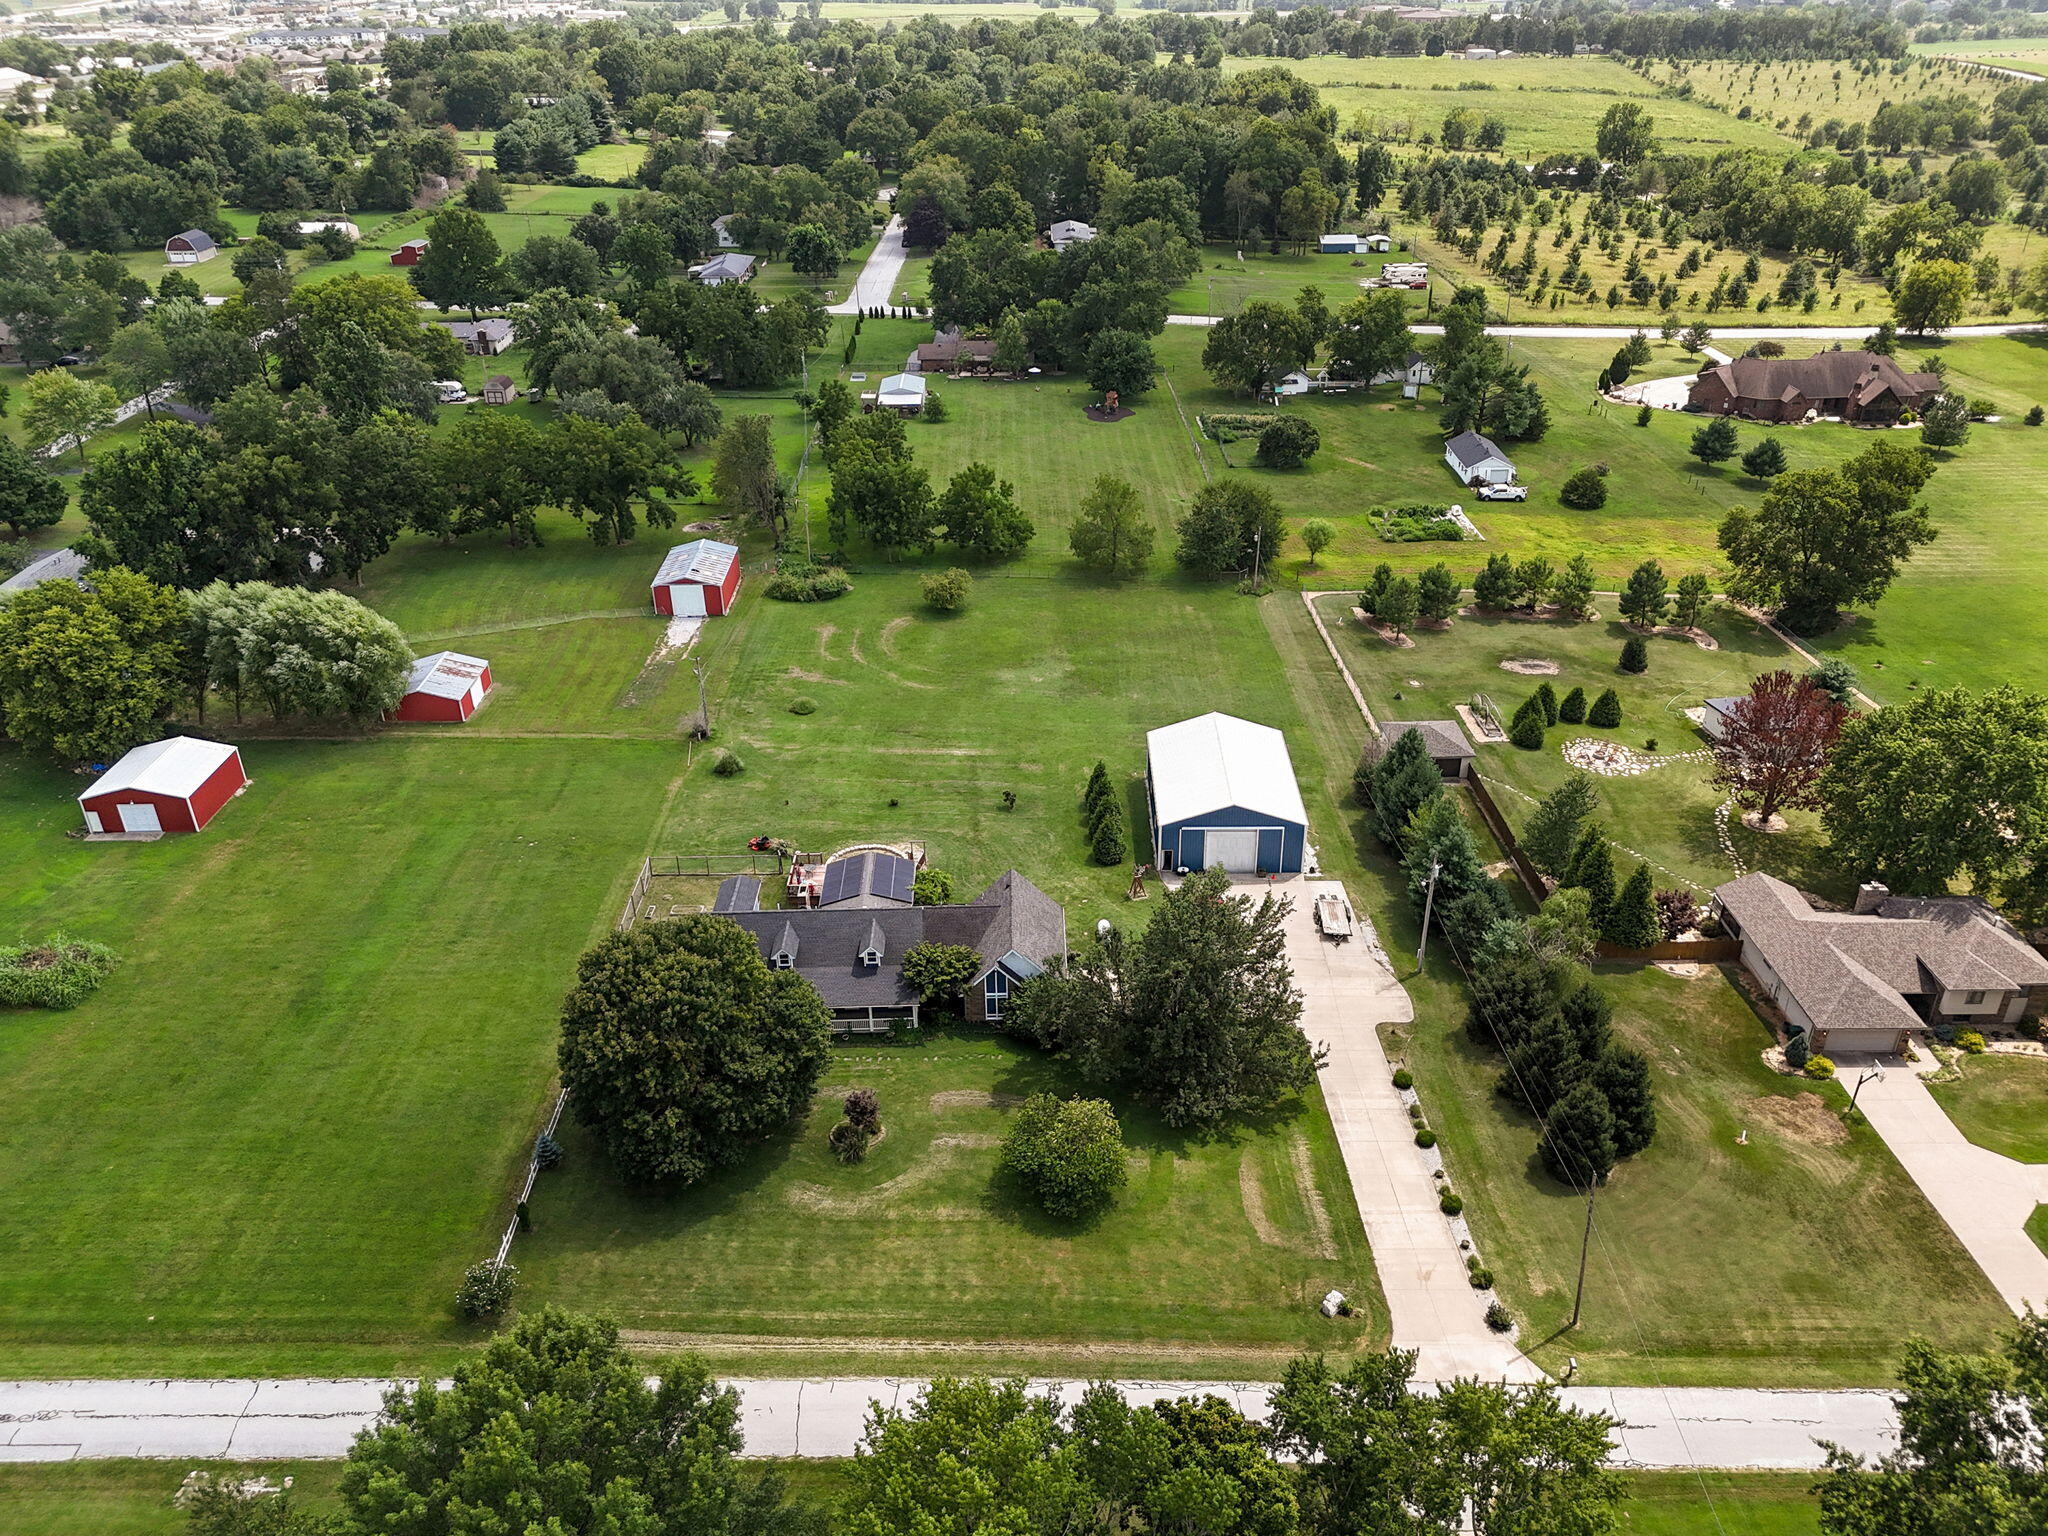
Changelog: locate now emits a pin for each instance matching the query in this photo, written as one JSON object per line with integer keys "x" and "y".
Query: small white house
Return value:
{"x": 729, "y": 268}
{"x": 721, "y": 228}
{"x": 311, "y": 227}
{"x": 1413, "y": 373}
{"x": 1070, "y": 232}
{"x": 902, "y": 392}
{"x": 1475, "y": 460}
{"x": 1295, "y": 383}
{"x": 1715, "y": 715}
{"x": 1338, "y": 245}
{"x": 1377, "y": 243}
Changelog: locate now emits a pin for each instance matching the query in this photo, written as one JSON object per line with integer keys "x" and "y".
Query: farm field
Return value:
{"x": 1550, "y": 105}
{"x": 1666, "y": 815}
{"x": 1668, "y": 1299}
{"x": 1795, "y": 95}
{"x": 2023, "y": 53}
{"x": 133, "y": 1498}
{"x": 2000, "y": 1101}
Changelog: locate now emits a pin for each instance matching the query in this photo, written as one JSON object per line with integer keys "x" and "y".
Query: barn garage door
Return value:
{"x": 140, "y": 818}
{"x": 687, "y": 599}
{"x": 1235, "y": 848}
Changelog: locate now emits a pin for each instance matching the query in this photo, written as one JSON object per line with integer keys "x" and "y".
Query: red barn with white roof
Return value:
{"x": 175, "y": 785}
{"x": 444, "y": 686}
{"x": 701, "y": 577}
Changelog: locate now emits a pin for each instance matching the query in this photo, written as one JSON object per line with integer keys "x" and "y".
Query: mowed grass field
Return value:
{"x": 1832, "y": 1232}
{"x": 1666, "y": 815}
{"x": 2000, "y": 1101}
{"x": 1550, "y": 105}
{"x": 133, "y": 1498}
{"x": 1793, "y": 95}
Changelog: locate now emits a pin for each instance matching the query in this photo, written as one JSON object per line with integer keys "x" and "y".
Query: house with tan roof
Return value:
{"x": 1862, "y": 980}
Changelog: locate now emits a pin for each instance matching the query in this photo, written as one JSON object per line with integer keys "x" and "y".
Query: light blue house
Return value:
{"x": 1222, "y": 791}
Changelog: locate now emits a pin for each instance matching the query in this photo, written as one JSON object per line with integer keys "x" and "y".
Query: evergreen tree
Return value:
{"x": 1606, "y": 711}
{"x": 1098, "y": 793}
{"x": 1573, "y": 710}
{"x": 1555, "y": 826}
{"x": 1526, "y": 730}
{"x": 1643, "y": 598}
{"x": 1112, "y": 837}
{"x": 1623, "y": 1078}
{"x": 1573, "y": 589}
{"x": 1595, "y": 876}
{"x": 1588, "y": 1012}
{"x": 1631, "y": 921}
{"x": 1715, "y": 442}
{"x": 1510, "y": 998}
{"x": 1436, "y": 594}
{"x": 1545, "y": 1066}
{"x": 1376, "y": 588}
{"x": 1578, "y": 1144}
{"x": 1635, "y": 655}
{"x": 1495, "y": 586}
{"x": 1766, "y": 461}
{"x": 1397, "y": 784}
{"x": 1689, "y": 606}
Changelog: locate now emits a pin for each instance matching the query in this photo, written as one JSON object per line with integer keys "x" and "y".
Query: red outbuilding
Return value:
{"x": 175, "y": 785}
{"x": 700, "y": 577}
{"x": 444, "y": 686}
{"x": 409, "y": 254}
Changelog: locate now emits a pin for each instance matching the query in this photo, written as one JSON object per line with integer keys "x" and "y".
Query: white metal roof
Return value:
{"x": 445, "y": 674}
{"x": 177, "y": 765}
{"x": 905, "y": 386}
{"x": 1217, "y": 760}
{"x": 700, "y": 560}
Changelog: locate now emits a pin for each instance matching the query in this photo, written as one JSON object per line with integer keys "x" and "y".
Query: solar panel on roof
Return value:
{"x": 842, "y": 880}
{"x": 893, "y": 878}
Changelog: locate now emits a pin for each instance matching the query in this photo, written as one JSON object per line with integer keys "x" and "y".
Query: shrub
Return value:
{"x": 939, "y": 972}
{"x": 934, "y": 409}
{"x": 1499, "y": 1318}
{"x": 932, "y": 888}
{"x": 1425, "y": 1137}
{"x": 726, "y": 763}
{"x": 1970, "y": 1042}
{"x": 1288, "y": 442}
{"x": 1403, "y": 1078}
{"x": 547, "y": 1153}
{"x": 1067, "y": 1154}
{"x": 1450, "y": 1202}
{"x": 1635, "y": 656}
{"x": 849, "y": 1142}
{"x": 801, "y": 583}
{"x": 947, "y": 590}
{"x": 58, "y": 972}
{"x": 1572, "y": 708}
{"x": 1416, "y": 523}
{"x": 1526, "y": 729}
{"x": 2036, "y": 416}
{"x": 1480, "y": 1277}
{"x": 803, "y": 705}
{"x": 1677, "y": 913}
{"x": 1606, "y": 711}
{"x": 1819, "y": 1067}
{"x": 485, "y": 1290}
{"x": 1585, "y": 491}
{"x": 1798, "y": 1049}
{"x": 1643, "y": 417}
{"x": 864, "y": 1109}
{"x": 1546, "y": 700}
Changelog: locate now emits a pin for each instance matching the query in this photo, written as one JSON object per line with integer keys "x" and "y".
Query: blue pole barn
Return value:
{"x": 1222, "y": 791}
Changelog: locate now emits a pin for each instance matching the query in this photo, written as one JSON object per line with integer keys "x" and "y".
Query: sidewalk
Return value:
{"x": 1348, "y": 991}
{"x": 44, "y": 1421}
{"x": 1984, "y": 1197}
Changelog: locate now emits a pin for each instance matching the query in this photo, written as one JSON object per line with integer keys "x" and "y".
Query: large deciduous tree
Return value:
{"x": 682, "y": 1050}
{"x": 1198, "y": 1015}
{"x": 1931, "y": 296}
{"x": 556, "y": 1428}
{"x": 462, "y": 267}
{"x": 1825, "y": 540}
{"x": 980, "y": 515}
{"x": 1257, "y": 347}
{"x": 87, "y": 674}
{"x": 1775, "y": 744}
{"x": 744, "y": 474}
{"x": 30, "y": 498}
{"x": 1230, "y": 526}
{"x": 1111, "y": 532}
{"x": 58, "y": 404}
{"x": 1370, "y": 337}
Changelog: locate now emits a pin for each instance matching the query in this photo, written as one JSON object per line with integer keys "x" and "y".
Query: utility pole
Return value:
{"x": 1585, "y": 1244}
{"x": 703, "y": 731}
{"x": 1257, "y": 541}
{"x": 1428, "y": 901}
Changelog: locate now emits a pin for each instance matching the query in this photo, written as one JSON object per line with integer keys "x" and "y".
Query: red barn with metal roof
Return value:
{"x": 701, "y": 577}
{"x": 444, "y": 686}
{"x": 409, "y": 254}
{"x": 175, "y": 785}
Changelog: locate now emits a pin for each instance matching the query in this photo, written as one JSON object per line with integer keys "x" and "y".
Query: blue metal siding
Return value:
{"x": 1281, "y": 843}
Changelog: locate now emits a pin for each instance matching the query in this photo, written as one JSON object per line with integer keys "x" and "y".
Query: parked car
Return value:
{"x": 1502, "y": 493}
{"x": 70, "y": 360}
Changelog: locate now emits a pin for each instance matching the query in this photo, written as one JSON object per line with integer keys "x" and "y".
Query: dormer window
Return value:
{"x": 871, "y": 952}
{"x": 784, "y": 962}
{"x": 784, "y": 957}
{"x": 871, "y": 957}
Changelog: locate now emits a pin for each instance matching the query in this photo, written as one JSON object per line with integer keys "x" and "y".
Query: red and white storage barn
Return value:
{"x": 444, "y": 686}
{"x": 701, "y": 577}
{"x": 175, "y": 785}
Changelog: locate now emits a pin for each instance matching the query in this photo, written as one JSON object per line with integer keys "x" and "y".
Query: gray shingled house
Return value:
{"x": 851, "y": 947}
{"x": 1861, "y": 980}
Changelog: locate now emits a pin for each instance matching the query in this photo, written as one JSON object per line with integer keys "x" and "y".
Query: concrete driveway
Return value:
{"x": 1347, "y": 991}
{"x": 878, "y": 275}
{"x": 1984, "y": 1197}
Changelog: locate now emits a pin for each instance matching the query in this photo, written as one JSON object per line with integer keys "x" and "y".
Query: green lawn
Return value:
{"x": 1550, "y": 105}
{"x": 1234, "y": 273}
{"x": 1831, "y": 1231}
{"x": 1665, "y": 815}
{"x": 1720, "y": 1504}
{"x": 2000, "y": 1101}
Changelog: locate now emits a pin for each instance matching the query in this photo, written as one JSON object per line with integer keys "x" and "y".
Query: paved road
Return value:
{"x": 1733, "y": 333}
{"x": 1348, "y": 990}
{"x": 878, "y": 275}
{"x": 265, "y": 1420}
{"x": 1985, "y": 1198}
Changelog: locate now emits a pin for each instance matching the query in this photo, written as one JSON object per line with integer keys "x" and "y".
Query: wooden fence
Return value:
{"x": 1490, "y": 813}
{"x": 1699, "y": 951}
{"x": 700, "y": 866}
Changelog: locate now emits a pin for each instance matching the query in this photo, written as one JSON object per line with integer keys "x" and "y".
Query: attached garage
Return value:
{"x": 446, "y": 686}
{"x": 1223, "y": 792}
{"x": 175, "y": 785}
{"x": 701, "y": 577}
